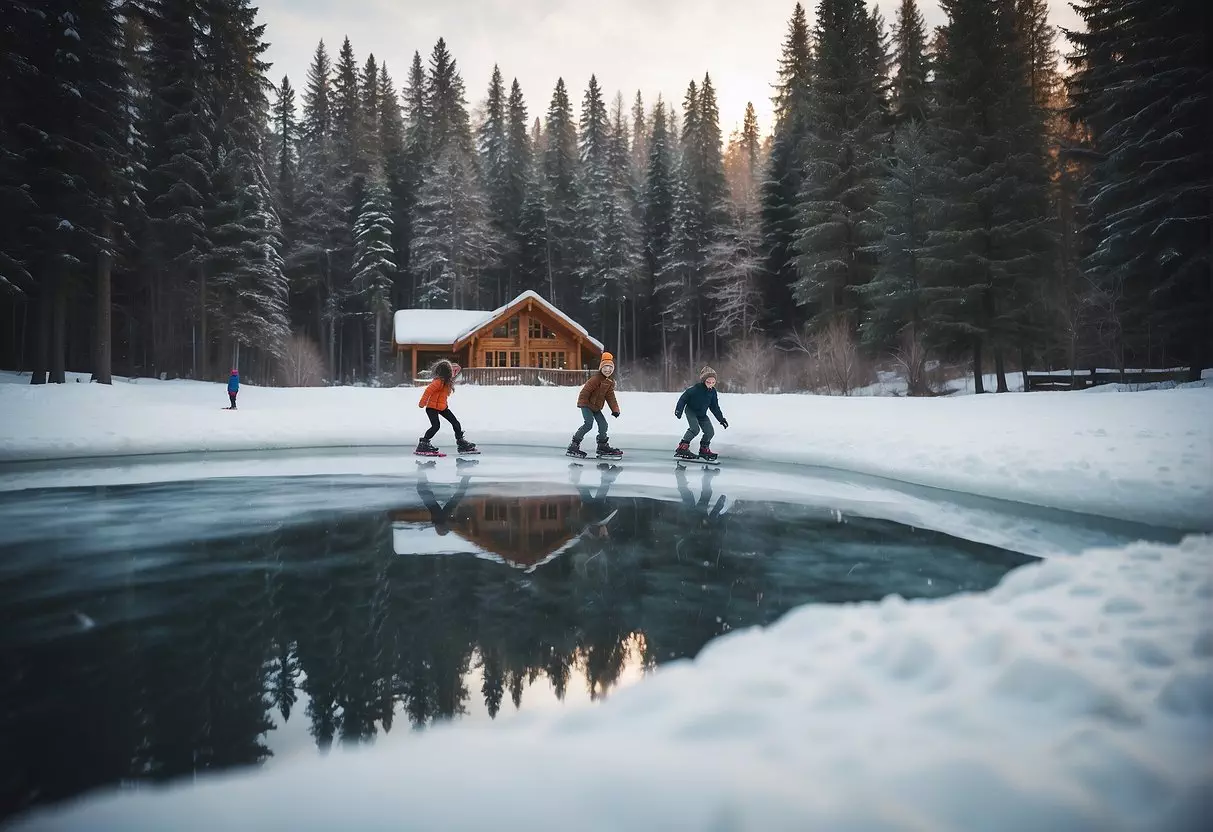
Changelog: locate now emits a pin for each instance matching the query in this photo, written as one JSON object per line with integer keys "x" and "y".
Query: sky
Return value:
{"x": 655, "y": 46}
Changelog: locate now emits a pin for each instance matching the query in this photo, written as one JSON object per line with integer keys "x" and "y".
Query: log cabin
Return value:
{"x": 526, "y": 334}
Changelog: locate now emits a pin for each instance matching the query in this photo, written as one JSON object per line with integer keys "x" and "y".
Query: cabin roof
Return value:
{"x": 447, "y": 327}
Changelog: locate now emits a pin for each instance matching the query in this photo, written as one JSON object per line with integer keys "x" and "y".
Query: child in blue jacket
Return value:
{"x": 697, "y": 400}
{"x": 233, "y": 387}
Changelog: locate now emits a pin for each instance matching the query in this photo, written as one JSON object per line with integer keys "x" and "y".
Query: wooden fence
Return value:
{"x": 517, "y": 376}
{"x": 1081, "y": 380}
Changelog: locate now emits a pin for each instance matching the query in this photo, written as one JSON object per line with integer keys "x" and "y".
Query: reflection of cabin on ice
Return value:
{"x": 527, "y": 341}
{"x": 521, "y": 532}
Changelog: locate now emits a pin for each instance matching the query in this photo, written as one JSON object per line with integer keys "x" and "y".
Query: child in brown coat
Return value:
{"x": 598, "y": 391}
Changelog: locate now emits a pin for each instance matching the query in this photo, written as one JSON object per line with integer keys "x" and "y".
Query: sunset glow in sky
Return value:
{"x": 656, "y": 46}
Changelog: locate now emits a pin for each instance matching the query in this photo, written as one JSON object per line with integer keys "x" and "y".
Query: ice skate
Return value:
{"x": 683, "y": 451}
{"x": 426, "y": 448}
{"x": 574, "y": 450}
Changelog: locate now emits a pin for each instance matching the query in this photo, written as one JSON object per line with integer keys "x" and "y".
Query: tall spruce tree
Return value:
{"x": 494, "y": 164}
{"x": 374, "y": 267}
{"x": 286, "y": 152}
{"x": 911, "y": 95}
{"x": 1141, "y": 86}
{"x": 596, "y": 202}
{"x": 842, "y": 152}
{"x": 992, "y": 246}
{"x": 395, "y": 176}
{"x": 517, "y": 187}
{"x": 658, "y": 225}
{"x": 781, "y": 188}
{"x": 562, "y": 197}
{"x": 896, "y": 299}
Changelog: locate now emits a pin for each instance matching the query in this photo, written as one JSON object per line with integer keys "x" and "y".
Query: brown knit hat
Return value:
{"x": 706, "y": 373}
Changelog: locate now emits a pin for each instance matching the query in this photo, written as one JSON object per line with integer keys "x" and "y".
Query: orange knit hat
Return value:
{"x": 607, "y": 358}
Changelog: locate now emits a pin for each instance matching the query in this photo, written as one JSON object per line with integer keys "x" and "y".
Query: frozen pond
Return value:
{"x": 172, "y": 616}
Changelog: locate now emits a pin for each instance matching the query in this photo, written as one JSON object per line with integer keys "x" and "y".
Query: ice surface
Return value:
{"x": 1076, "y": 695}
{"x": 1143, "y": 456}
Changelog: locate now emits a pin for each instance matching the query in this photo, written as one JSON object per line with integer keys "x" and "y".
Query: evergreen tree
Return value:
{"x": 561, "y": 173}
{"x": 286, "y": 156}
{"x": 842, "y": 152}
{"x": 180, "y": 125}
{"x": 517, "y": 187}
{"x": 348, "y": 125}
{"x": 248, "y": 291}
{"x": 676, "y": 292}
{"x": 991, "y": 247}
{"x": 736, "y": 258}
{"x": 1141, "y": 86}
{"x": 596, "y": 194}
{"x": 896, "y": 299}
{"x": 911, "y": 96}
{"x": 658, "y": 225}
{"x": 494, "y": 164}
{"x": 452, "y": 244}
{"x": 640, "y": 146}
{"x": 784, "y": 171}
{"x": 369, "y": 89}
{"x": 374, "y": 267}
{"x": 395, "y": 176}
{"x": 416, "y": 142}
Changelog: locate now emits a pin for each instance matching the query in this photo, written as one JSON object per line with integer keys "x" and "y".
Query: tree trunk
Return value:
{"x": 378, "y": 342}
{"x": 59, "y": 333}
{"x": 204, "y": 345}
{"x": 42, "y": 337}
{"x": 1000, "y": 370}
{"x": 102, "y": 352}
{"x": 978, "y": 387}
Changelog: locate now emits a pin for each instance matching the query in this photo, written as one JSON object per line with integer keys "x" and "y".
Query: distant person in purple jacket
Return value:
{"x": 233, "y": 387}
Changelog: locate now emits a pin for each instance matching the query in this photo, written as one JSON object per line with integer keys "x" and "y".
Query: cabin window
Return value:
{"x": 549, "y": 511}
{"x": 538, "y": 330}
{"x": 506, "y": 329}
{"x": 515, "y": 359}
{"x": 551, "y": 360}
{"x": 495, "y": 358}
{"x": 495, "y": 511}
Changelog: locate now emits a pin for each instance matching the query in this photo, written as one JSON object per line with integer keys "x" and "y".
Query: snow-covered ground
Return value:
{"x": 1077, "y": 695}
{"x": 1143, "y": 456}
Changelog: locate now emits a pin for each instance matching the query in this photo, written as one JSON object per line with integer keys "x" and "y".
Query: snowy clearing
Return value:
{"x": 1144, "y": 456}
{"x": 1076, "y": 695}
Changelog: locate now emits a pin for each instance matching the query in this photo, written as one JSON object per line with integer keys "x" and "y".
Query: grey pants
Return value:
{"x": 697, "y": 423}
{"x": 590, "y": 418}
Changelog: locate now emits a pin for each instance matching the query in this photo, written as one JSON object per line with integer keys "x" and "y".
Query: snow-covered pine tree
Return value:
{"x": 319, "y": 217}
{"x": 62, "y": 150}
{"x": 781, "y": 186}
{"x": 492, "y": 141}
{"x": 517, "y": 186}
{"x": 286, "y": 155}
{"x": 349, "y": 140}
{"x": 595, "y": 195}
{"x": 369, "y": 90}
{"x": 991, "y": 249}
{"x": 1141, "y": 86}
{"x": 374, "y": 264}
{"x": 416, "y": 144}
{"x": 676, "y": 292}
{"x": 842, "y": 152}
{"x": 562, "y": 197}
{"x": 639, "y": 151}
{"x": 395, "y": 165}
{"x": 247, "y": 290}
{"x": 533, "y": 263}
{"x": 453, "y": 243}
{"x": 180, "y": 126}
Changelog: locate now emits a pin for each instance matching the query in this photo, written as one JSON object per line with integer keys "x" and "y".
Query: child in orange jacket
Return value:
{"x": 434, "y": 400}
{"x": 596, "y": 393}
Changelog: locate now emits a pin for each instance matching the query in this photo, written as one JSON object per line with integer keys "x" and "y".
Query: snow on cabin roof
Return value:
{"x": 436, "y": 326}
{"x": 449, "y": 326}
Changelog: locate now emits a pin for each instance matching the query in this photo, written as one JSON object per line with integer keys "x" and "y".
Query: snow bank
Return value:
{"x": 1076, "y": 695}
{"x": 1145, "y": 457}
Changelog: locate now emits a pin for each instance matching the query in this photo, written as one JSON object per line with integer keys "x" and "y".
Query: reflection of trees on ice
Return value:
{"x": 196, "y": 660}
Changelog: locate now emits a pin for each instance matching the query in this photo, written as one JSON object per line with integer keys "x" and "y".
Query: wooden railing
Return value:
{"x": 1080, "y": 380}
{"x": 514, "y": 376}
